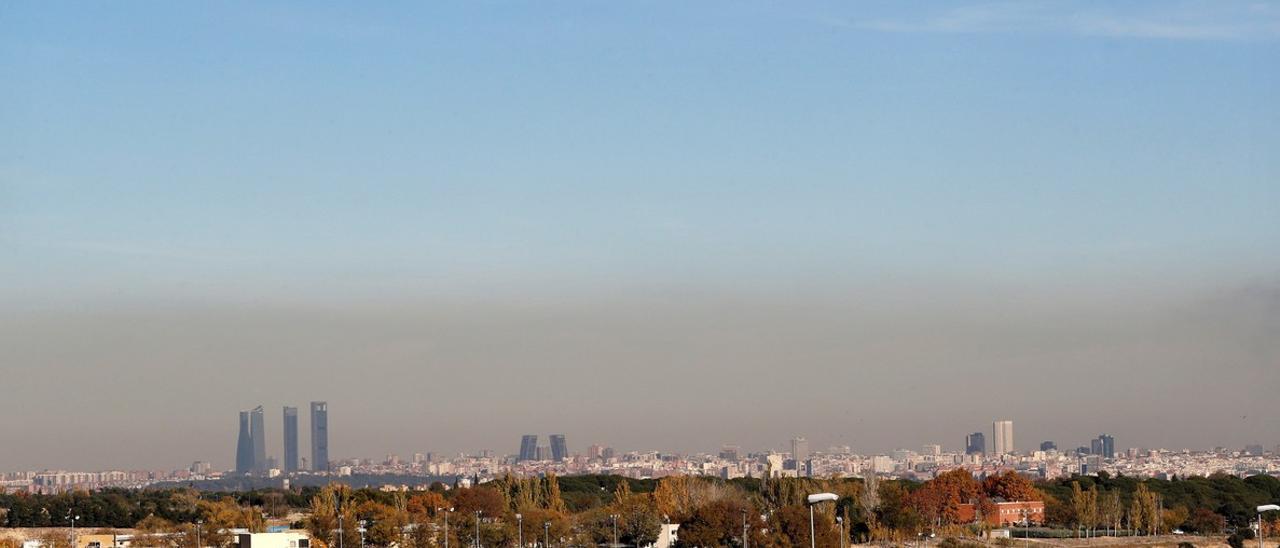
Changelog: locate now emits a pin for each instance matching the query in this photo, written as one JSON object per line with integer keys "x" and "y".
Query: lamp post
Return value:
{"x": 546, "y": 534}
{"x": 338, "y": 506}
{"x": 520, "y": 530}
{"x": 1026, "y": 525}
{"x": 744, "y": 529}
{"x": 1261, "y": 509}
{"x": 363, "y": 524}
{"x": 813, "y": 501}
{"x": 477, "y": 539}
{"x": 199, "y": 523}
{"x": 840, "y": 523}
{"x": 614, "y": 519}
{"x": 73, "y": 519}
{"x": 446, "y": 524}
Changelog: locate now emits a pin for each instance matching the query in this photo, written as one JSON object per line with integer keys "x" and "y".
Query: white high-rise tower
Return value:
{"x": 1002, "y": 437}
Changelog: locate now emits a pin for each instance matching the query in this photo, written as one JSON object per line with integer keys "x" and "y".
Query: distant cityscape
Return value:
{"x": 1047, "y": 461}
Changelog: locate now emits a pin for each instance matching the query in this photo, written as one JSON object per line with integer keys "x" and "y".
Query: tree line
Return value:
{"x": 585, "y": 510}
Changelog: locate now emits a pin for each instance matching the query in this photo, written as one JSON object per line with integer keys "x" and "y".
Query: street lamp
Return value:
{"x": 1261, "y": 509}
{"x": 337, "y": 505}
{"x": 73, "y": 519}
{"x": 477, "y": 540}
{"x": 614, "y": 518}
{"x": 840, "y": 523}
{"x": 520, "y": 530}
{"x": 546, "y": 534}
{"x": 363, "y": 524}
{"x": 813, "y": 501}
{"x": 446, "y": 524}
{"x": 744, "y": 529}
{"x": 199, "y": 522}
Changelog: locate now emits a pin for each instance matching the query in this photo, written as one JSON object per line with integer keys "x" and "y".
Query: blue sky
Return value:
{"x": 154, "y": 146}
{"x": 227, "y": 204}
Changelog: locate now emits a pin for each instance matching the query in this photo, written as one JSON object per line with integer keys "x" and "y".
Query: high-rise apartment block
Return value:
{"x": 799, "y": 450}
{"x": 1002, "y": 437}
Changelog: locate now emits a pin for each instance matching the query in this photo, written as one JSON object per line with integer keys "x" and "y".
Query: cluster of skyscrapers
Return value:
{"x": 1104, "y": 446}
{"x": 531, "y": 451}
{"x": 251, "y": 450}
{"x": 1002, "y": 443}
{"x": 1001, "y": 440}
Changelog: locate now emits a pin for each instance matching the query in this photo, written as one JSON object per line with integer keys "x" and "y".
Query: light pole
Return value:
{"x": 744, "y": 529}
{"x": 614, "y": 518}
{"x": 546, "y": 534}
{"x": 73, "y": 519}
{"x": 363, "y": 523}
{"x": 1261, "y": 509}
{"x": 813, "y": 501}
{"x": 338, "y": 505}
{"x": 840, "y": 522}
{"x": 520, "y": 530}
{"x": 477, "y": 540}
{"x": 1026, "y": 526}
{"x": 446, "y": 524}
{"x": 199, "y": 523}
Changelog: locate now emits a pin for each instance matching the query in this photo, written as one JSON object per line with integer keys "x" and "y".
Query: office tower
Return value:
{"x": 595, "y": 451}
{"x": 1002, "y": 437}
{"x": 931, "y": 450}
{"x": 975, "y": 444}
{"x": 559, "y": 450}
{"x": 1095, "y": 446}
{"x": 1105, "y": 446}
{"x": 528, "y": 447}
{"x": 729, "y": 452}
{"x": 290, "y": 439}
{"x": 319, "y": 435}
{"x": 1048, "y": 446}
{"x": 259, "y": 432}
{"x": 244, "y": 445}
{"x": 799, "y": 450}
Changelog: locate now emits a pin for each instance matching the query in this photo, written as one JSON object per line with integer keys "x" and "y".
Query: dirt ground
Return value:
{"x": 1166, "y": 541}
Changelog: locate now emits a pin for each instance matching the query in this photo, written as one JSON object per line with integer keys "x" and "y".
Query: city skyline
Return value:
{"x": 673, "y": 226}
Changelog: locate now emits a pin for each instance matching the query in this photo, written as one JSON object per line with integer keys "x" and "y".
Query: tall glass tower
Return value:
{"x": 319, "y": 436}
{"x": 529, "y": 447}
{"x": 559, "y": 449}
{"x": 259, "y": 433}
{"x": 290, "y": 439}
{"x": 244, "y": 446}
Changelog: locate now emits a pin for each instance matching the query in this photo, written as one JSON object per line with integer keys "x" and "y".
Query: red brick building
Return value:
{"x": 1008, "y": 513}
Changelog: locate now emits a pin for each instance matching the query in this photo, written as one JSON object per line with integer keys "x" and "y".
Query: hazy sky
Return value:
{"x": 650, "y": 225}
